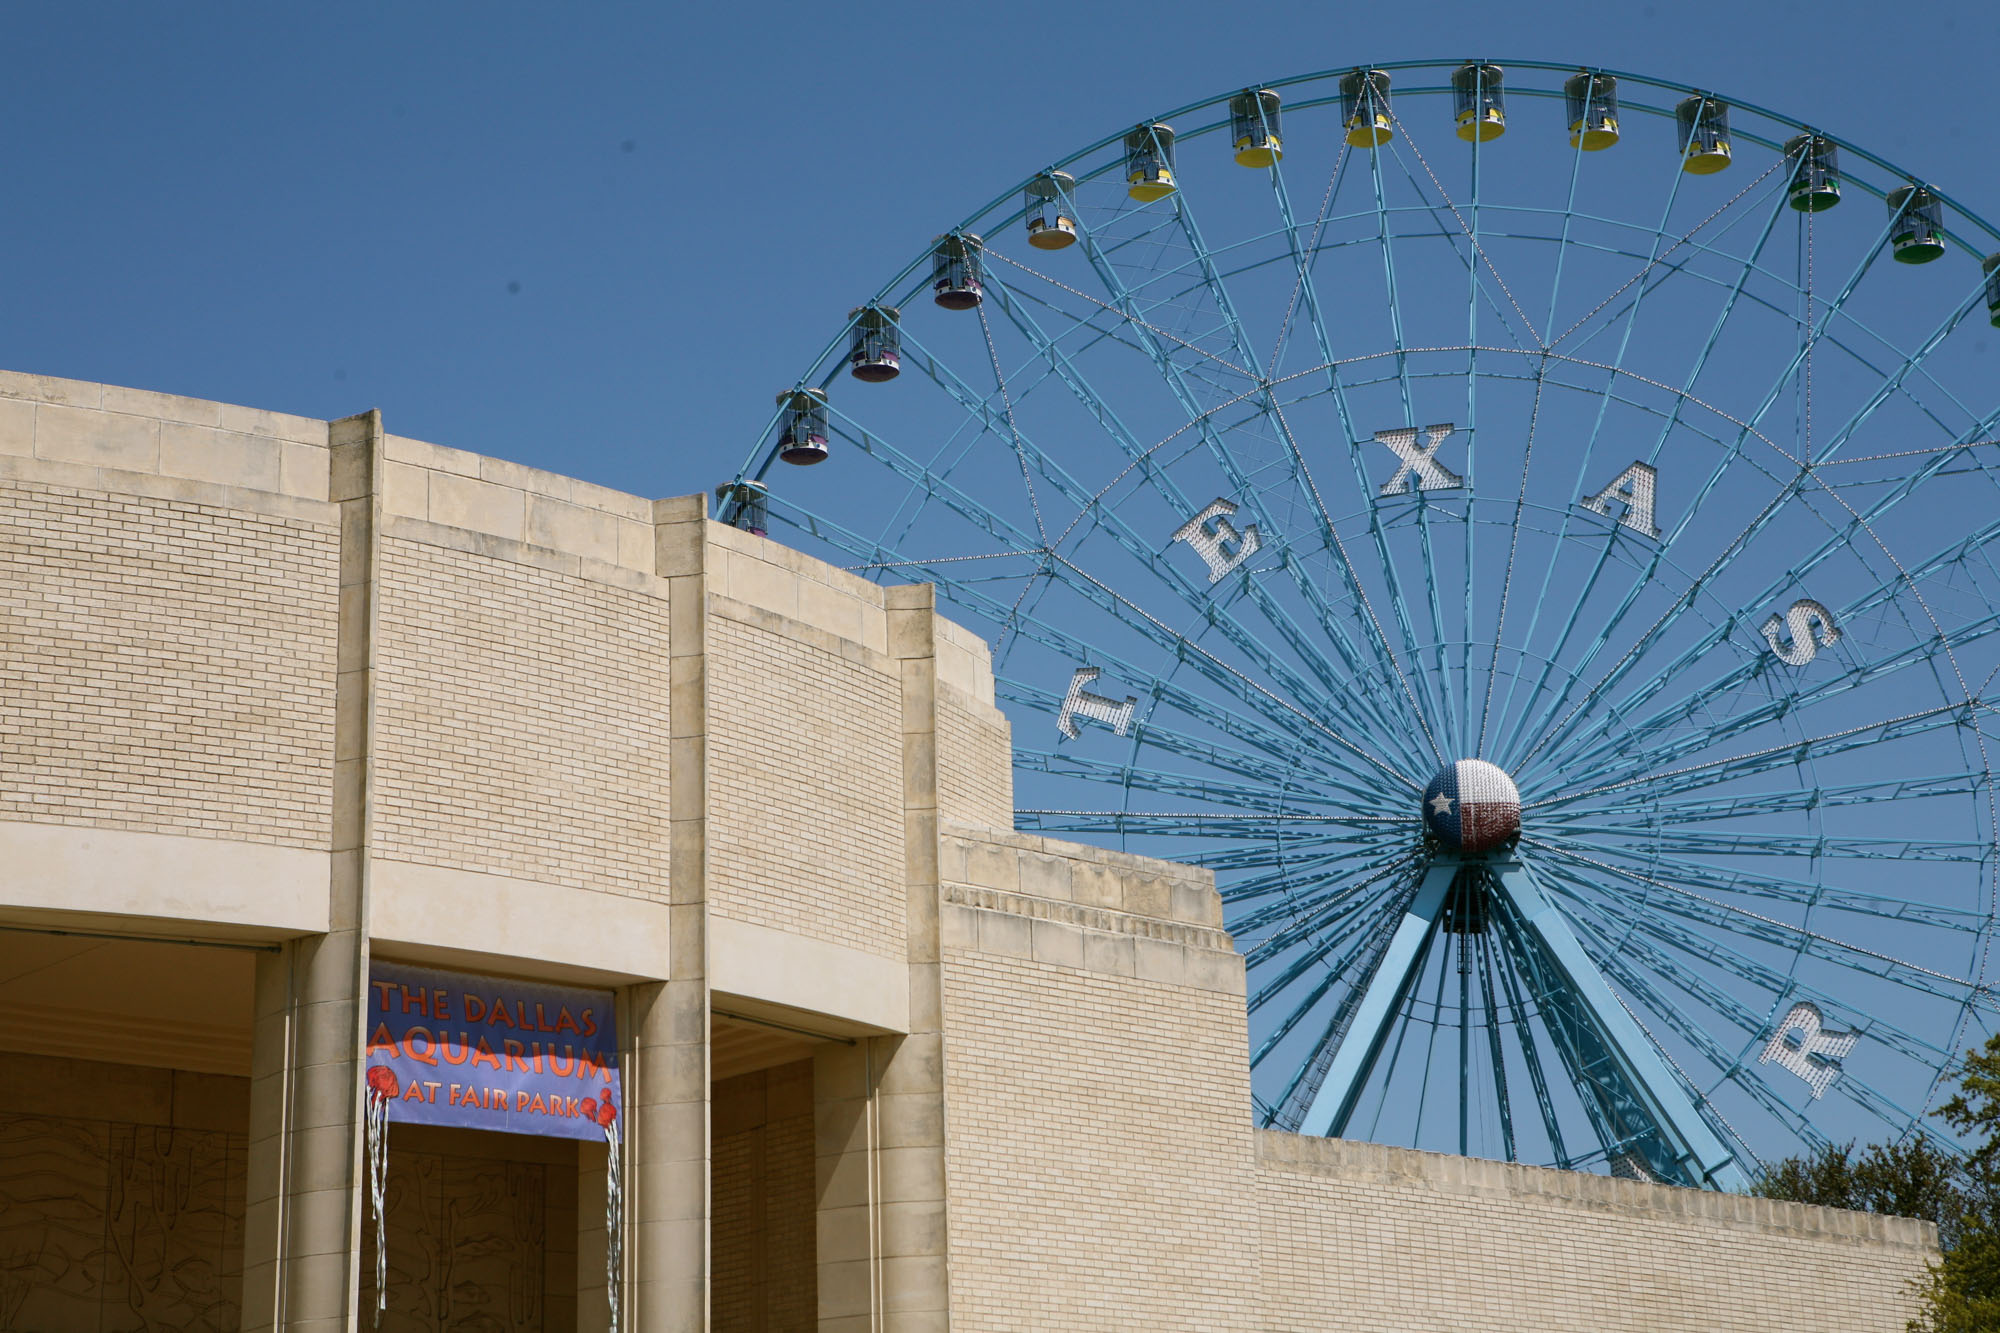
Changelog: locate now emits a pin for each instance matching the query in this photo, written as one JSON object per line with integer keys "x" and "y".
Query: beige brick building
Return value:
{"x": 281, "y": 699}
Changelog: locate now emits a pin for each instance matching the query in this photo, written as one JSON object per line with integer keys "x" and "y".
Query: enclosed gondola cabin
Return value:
{"x": 1049, "y": 210}
{"x": 1253, "y": 128}
{"x": 1991, "y": 266}
{"x": 802, "y": 426}
{"x": 1703, "y": 125}
{"x": 1815, "y": 163}
{"x": 1916, "y": 226}
{"x": 1592, "y": 103}
{"x": 1364, "y": 108}
{"x": 1149, "y": 162}
{"x": 875, "y": 343}
{"x": 1479, "y": 102}
{"x": 745, "y": 505}
{"x": 958, "y": 273}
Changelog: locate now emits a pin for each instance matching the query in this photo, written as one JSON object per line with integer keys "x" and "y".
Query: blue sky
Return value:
{"x": 596, "y": 238}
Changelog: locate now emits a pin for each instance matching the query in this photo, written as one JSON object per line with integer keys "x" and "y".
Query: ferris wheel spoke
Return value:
{"x": 1202, "y": 421}
{"x": 1819, "y": 796}
{"x": 1271, "y": 792}
{"x": 1618, "y": 958}
{"x": 1689, "y": 905}
{"x": 1305, "y": 289}
{"x": 1803, "y": 894}
{"x": 1143, "y": 458}
{"x": 1657, "y": 1003}
{"x": 1563, "y": 735}
{"x": 1568, "y": 756}
{"x": 1641, "y": 938}
{"x": 1728, "y": 554}
{"x": 1437, "y": 699}
{"x": 1314, "y": 906}
{"x": 1315, "y": 928}
{"x": 1328, "y": 687}
{"x": 1335, "y": 774}
{"x": 1693, "y": 842}
{"x": 1570, "y": 622}
{"x": 1614, "y": 755}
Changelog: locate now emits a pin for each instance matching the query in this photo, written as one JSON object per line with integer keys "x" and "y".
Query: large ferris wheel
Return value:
{"x": 1550, "y": 578}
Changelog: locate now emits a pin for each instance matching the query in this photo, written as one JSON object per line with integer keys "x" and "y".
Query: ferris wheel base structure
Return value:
{"x": 1657, "y": 1130}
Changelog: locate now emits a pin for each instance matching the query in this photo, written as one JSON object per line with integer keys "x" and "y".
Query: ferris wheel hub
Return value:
{"x": 1472, "y": 806}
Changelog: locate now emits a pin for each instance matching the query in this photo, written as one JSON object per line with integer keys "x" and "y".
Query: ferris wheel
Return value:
{"x": 1535, "y": 534}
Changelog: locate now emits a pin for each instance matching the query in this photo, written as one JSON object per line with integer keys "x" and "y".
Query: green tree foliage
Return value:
{"x": 1917, "y": 1178}
{"x": 1962, "y": 1290}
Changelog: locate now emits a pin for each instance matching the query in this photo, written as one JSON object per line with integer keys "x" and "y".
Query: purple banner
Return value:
{"x": 453, "y": 1048}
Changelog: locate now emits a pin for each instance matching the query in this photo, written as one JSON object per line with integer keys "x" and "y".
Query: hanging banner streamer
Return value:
{"x": 482, "y": 1053}
{"x": 452, "y": 1048}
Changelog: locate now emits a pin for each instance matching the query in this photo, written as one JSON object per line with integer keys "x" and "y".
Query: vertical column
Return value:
{"x": 879, "y": 1106}
{"x": 668, "y": 1208}
{"x": 916, "y": 1290}
{"x": 305, "y": 1178}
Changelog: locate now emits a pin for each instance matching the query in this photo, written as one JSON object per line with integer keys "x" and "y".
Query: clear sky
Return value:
{"x": 597, "y": 238}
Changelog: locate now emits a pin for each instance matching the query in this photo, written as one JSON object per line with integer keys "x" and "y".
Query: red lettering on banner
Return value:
{"x": 382, "y": 1041}
{"x": 420, "y": 1002}
{"x": 485, "y": 1052}
{"x": 445, "y": 1048}
{"x": 415, "y": 1090}
{"x": 382, "y": 989}
{"x": 497, "y": 1015}
{"x": 423, "y": 1057}
{"x": 558, "y": 1067}
{"x": 475, "y": 1008}
{"x": 535, "y": 1103}
{"x": 590, "y": 1022}
{"x": 564, "y": 1023}
{"x": 515, "y": 1053}
{"x": 432, "y": 1095}
{"x": 441, "y": 1005}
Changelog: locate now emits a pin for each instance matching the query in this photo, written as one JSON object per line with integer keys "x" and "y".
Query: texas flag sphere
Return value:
{"x": 1472, "y": 806}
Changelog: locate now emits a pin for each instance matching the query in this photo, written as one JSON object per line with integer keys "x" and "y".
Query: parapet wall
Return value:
{"x": 1355, "y": 1235}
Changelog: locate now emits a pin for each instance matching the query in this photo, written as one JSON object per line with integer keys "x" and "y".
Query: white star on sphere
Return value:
{"x": 1441, "y": 803}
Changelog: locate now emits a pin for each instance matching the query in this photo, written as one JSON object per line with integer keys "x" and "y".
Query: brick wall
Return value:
{"x": 1098, "y": 1144}
{"x": 521, "y": 721}
{"x": 805, "y": 779}
{"x": 1357, "y": 1236}
{"x": 169, "y": 665}
{"x": 761, "y": 1189}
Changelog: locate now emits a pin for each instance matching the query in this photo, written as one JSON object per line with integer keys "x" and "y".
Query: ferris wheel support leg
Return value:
{"x": 1638, "y": 1062}
{"x": 1374, "y": 1018}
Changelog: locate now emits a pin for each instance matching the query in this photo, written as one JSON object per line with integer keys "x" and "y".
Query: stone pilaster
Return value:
{"x": 668, "y": 1203}
{"x": 306, "y": 1183}
{"x": 880, "y": 1105}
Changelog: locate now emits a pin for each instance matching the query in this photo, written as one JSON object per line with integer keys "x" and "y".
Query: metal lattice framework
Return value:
{"x": 1704, "y": 561}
